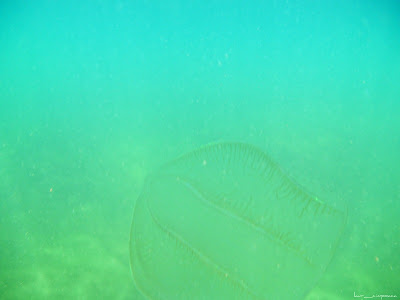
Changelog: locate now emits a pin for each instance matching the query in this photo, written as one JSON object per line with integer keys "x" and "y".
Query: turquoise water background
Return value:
{"x": 96, "y": 94}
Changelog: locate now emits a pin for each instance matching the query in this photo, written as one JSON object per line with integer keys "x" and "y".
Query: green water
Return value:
{"x": 96, "y": 95}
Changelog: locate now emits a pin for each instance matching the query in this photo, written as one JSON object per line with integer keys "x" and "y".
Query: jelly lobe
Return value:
{"x": 224, "y": 221}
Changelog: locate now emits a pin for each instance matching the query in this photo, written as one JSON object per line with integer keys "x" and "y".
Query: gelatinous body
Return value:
{"x": 224, "y": 222}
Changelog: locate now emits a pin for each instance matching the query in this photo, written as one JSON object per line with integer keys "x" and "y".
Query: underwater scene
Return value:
{"x": 200, "y": 149}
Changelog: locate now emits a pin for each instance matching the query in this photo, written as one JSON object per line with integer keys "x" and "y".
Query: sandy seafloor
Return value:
{"x": 93, "y": 97}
